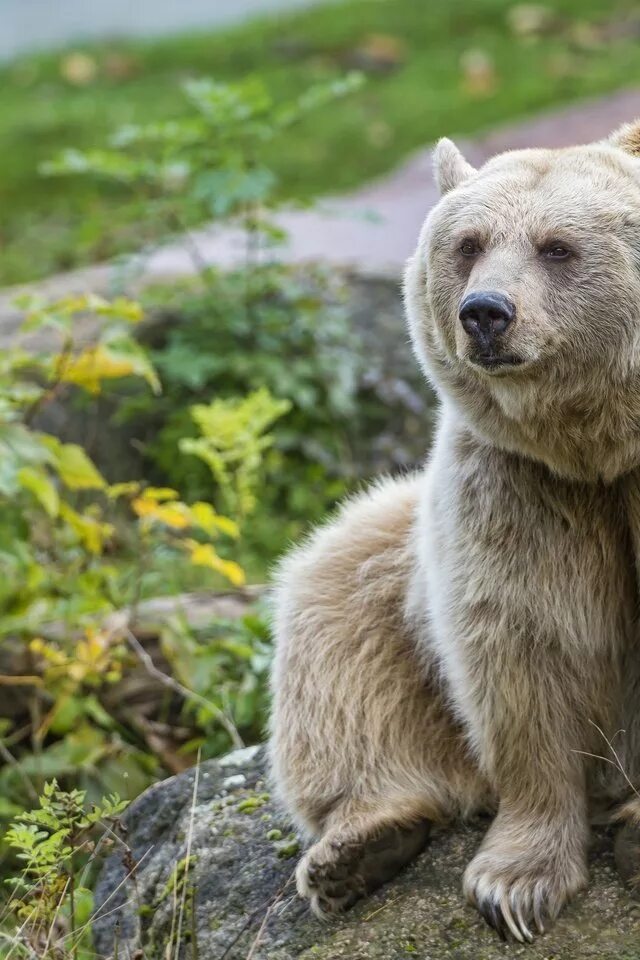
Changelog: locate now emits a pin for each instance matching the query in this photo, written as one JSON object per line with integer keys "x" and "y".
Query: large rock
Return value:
{"x": 237, "y": 898}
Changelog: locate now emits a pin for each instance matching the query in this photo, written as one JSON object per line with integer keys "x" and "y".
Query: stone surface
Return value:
{"x": 371, "y": 231}
{"x": 240, "y": 901}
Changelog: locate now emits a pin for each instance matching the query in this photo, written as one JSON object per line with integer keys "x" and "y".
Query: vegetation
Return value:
{"x": 456, "y": 66}
{"x": 265, "y": 326}
{"x": 82, "y": 549}
{"x": 56, "y": 847}
{"x": 76, "y": 553}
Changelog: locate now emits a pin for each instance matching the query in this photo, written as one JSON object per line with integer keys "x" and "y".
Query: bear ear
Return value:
{"x": 449, "y": 166}
{"x": 627, "y": 138}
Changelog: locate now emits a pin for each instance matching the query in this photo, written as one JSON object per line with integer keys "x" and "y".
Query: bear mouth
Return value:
{"x": 496, "y": 362}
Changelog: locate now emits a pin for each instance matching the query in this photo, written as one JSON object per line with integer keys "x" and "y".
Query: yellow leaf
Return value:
{"x": 116, "y": 490}
{"x": 171, "y": 514}
{"x": 203, "y": 555}
{"x": 159, "y": 493}
{"x": 38, "y": 483}
{"x": 205, "y": 517}
{"x": 78, "y": 68}
{"x": 129, "y": 310}
{"x": 92, "y": 532}
{"x": 95, "y": 364}
{"x": 76, "y": 469}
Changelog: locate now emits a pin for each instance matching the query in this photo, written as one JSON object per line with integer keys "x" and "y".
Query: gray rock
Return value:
{"x": 239, "y": 895}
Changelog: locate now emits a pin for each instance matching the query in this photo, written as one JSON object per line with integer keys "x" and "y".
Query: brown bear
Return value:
{"x": 463, "y": 639}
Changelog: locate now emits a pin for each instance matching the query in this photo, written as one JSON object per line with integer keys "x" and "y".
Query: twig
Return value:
{"x": 617, "y": 763}
{"x": 265, "y": 919}
{"x": 172, "y": 684}
{"x": 384, "y": 906}
{"x": 195, "y": 950}
{"x": 245, "y": 926}
{"x": 20, "y": 681}
{"x": 54, "y": 388}
{"x": 183, "y": 895}
{"x": 98, "y": 915}
{"x": 55, "y": 916}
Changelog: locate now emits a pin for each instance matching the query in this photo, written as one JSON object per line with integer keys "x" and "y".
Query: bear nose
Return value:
{"x": 485, "y": 315}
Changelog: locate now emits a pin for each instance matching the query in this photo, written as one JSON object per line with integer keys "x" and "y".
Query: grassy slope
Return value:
{"x": 52, "y": 225}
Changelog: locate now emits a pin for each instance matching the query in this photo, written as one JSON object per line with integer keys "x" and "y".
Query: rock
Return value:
{"x": 237, "y": 897}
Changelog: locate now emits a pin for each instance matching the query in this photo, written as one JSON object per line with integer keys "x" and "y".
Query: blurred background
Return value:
{"x": 205, "y": 208}
{"x": 73, "y": 73}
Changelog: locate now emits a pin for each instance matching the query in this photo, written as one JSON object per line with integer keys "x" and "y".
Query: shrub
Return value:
{"x": 67, "y": 568}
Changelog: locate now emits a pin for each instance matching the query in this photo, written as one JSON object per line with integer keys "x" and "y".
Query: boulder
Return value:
{"x": 213, "y": 865}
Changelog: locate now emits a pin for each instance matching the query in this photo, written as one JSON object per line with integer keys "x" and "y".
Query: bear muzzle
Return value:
{"x": 485, "y": 316}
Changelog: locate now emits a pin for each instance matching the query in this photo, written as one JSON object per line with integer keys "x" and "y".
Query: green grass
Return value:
{"x": 49, "y": 225}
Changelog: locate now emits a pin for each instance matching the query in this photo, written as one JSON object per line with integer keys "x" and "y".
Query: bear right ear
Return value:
{"x": 627, "y": 138}
{"x": 449, "y": 166}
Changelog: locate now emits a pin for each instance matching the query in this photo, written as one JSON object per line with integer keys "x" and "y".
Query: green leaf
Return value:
{"x": 226, "y": 191}
{"x": 38, "y": 483}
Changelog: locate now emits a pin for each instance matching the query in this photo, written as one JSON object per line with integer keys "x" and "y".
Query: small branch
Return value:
{"x": 172, "y": 684}
{"x": 617, "y": 762}
{"x": 272, "y": 906}
{"x": 187, "y": 861}
{"x": 55, "y": 387}
{"x": 20, "y": 681}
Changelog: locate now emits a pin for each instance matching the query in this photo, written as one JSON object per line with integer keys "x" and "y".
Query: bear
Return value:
{"x": 462, "y": 639}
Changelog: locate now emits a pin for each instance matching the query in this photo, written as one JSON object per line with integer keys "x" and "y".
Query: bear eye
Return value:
{"x": 556, "y": 251}
{"x": 469, "y": 248}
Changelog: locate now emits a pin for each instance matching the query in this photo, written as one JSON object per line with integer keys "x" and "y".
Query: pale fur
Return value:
{"x": 463, "y": 639}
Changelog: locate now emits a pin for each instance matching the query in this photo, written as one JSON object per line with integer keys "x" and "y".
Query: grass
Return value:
{"x": 50, "y": 225}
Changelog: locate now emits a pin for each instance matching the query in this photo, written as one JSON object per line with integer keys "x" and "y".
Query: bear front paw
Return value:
{"x": 520, "y": 895}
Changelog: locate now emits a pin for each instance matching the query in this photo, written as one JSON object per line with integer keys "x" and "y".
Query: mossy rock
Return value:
{"x": 237, "y": 899}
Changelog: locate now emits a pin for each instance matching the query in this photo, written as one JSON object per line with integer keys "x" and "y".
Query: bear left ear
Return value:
{"x": 627, "y": 138}
{"x": 449, "y": 166}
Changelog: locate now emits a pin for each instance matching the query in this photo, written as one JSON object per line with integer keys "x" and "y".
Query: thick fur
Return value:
{"x": 464, "y": 639}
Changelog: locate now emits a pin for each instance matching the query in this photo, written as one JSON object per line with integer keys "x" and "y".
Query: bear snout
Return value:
{"x": 485, "y": 316}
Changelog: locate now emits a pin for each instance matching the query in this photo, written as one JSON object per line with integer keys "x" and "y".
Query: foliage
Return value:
{"x": 53, "y": 549}
{"x": 289, "y": 334}
{"x": 233, "y": 441}
{"x": 418, "y": 57}
{"x": 68, "y": 529}
{"x": 260, "y": 328}
{"x": 226, "y": 667}
{"x": 62, "y": 550}
{"x": 206, "y": 166}
{"x": 55, "y": 846}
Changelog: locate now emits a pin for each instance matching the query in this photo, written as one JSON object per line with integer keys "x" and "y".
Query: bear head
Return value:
{"x": 523, "y": 301}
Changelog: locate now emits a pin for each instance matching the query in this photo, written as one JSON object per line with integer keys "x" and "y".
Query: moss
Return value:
{"x": 289, "y": 847}
{"x": 250, "y": 804}
{"x": 274, "y": 835}
{"x": 177, "y": 877}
